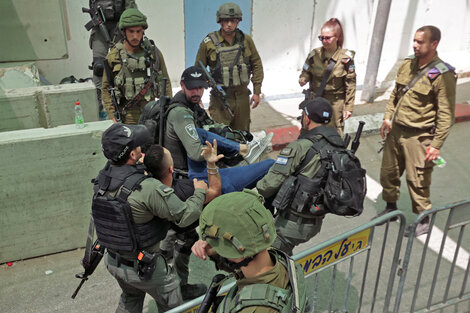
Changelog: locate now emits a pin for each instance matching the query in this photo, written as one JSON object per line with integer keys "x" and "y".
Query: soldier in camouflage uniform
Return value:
{"x": 237, "y": 232}
{"x": 137, "y": 69}
{"x": 340, "y": 88}
{"x": 233, "y": 59}
{"x": 417, "y": 121}
{"x": 293, "y": 227}
{"x": 112, "y": 10}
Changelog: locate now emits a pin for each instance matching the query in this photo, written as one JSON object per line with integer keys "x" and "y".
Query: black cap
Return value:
{"x": 119, "y": 138}
{"x": 318, "y": 110}
{"x": 193, "y": 77}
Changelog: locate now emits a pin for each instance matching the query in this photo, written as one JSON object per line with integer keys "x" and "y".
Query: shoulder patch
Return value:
{"x": 188, "y": 116}
{"x": 350, "y": 53}
{"x": 346, "y": 60}
{"x": 442, "y": 67}
{"x": 305, "y": 67}
{"x": 351, "y": 68}
{"x": 207, "y": 39}
{"x": 282, "y": 160}
{"x": 191, "y": 130}
{"x": 164, "y": 190}
{"x": 286, "y": 151}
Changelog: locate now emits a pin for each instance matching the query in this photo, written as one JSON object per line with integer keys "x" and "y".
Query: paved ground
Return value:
{"x": 45, "y": 284}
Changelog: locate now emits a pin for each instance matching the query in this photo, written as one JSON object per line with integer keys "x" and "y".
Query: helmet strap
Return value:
{"x": 236, "y": 266}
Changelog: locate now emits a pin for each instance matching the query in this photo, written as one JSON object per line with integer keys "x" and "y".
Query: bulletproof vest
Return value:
{"x": 112, "y": 9}
{"x": 136, "y": 71}
{"x": 266, "y": 295}
{"x": 175, "y": 146}
{"x": 115, "y": 226}
{"x": 232, "y": 67}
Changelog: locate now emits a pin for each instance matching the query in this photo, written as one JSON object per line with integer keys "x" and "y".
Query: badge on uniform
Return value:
{"x": 305, "y": 67}
{"x": 286, "y": 151}
{"x": 351, "y": 68}
{"x": 192, "y": 131}
{"x": 207, "y": 39}
{"x": 281, "y": 160}
{"x": 346, "y": 60}
{"x": 189, "y": 117}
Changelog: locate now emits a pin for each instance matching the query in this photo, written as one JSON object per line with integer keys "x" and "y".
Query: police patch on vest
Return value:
{"x": 191, "y": 130}
{"x": 282, "y": 160}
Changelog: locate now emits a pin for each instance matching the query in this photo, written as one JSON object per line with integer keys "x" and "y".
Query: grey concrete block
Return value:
{"x": 19, "y": 109}
{"x": 46, "y": 189}
{"x": 59, "y": 102}
{"x": 46, "y": 106}
{"x": 18, "y": 75}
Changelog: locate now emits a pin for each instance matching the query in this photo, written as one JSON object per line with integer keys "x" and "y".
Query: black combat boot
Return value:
{"x": 391, "y": 206}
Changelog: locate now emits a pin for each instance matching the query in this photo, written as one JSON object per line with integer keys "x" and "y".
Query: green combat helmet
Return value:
{"x": 132, "y": 17}
{"x": 237, "y": 224}
{"x": 229, "y": 10}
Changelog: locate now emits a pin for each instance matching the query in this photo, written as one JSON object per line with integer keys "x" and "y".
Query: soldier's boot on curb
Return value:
{"x": 421, "y": 229}
{"x": 391, "y": 206}
{"x": 191, "y": 291}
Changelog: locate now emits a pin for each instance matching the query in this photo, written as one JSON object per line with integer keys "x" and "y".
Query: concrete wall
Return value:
{"x": 46, "y": 190}
{"x": 285, "y": 31}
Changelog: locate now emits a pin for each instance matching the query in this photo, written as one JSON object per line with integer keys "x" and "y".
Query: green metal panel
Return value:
{"x": 32, "y": 30}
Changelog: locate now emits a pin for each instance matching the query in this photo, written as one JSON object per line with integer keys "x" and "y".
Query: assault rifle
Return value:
{"x": 163, "y": 105}
{"x": 97, "y": 20}
{"x": 355, "y": 142}
{"x": 216, "y": 90}
{"x": 111, "y": 89}
{"x": 211, "y": 295}
{"x": 90, "y": 264}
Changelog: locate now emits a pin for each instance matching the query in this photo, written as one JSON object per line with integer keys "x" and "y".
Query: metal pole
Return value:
{"x": 376, "y": 44}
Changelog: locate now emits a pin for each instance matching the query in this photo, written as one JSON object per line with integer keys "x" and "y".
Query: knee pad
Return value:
{"x": 98, "y": 66}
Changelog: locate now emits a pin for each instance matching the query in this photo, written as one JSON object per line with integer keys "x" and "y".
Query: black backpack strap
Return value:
{"x": 317, "y": 146}
{"x": 130, "y": 184}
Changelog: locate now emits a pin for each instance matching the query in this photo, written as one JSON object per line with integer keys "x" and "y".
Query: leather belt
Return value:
{"x": 119, "y": 260}
{"x": 414, "y": 129}
{"x": 299, "y": 219}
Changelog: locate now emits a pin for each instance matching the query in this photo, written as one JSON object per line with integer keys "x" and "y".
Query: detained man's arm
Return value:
{"x": 209, "y": 152}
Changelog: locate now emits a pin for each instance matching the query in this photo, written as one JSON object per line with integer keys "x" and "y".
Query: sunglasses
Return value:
{"x": 321, "y": 38}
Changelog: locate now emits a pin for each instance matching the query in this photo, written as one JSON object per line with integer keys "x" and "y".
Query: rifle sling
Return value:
{"x": 326, "y": 75}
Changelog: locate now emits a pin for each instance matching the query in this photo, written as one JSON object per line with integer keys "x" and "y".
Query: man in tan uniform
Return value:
{"x": 137, "y": 68}
{"x": 417, "y": 120}
{"x": 232, "y": 58}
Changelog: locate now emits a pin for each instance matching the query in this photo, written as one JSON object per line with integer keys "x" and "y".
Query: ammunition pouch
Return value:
{"x": 301, "y": 194}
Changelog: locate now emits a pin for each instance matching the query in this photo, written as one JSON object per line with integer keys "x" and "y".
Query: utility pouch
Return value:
{"x": 285, "y": 195}
{"x": 307, "y": 194}
{"x": 225, "y": 76}
{"x": 235, "y": 76}
{"x": 147, "y": 264}
{"x": 244, "y": 76}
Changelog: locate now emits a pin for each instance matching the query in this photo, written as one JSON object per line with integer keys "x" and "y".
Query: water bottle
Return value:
{"x": 79, "y": 122}
{"x": 439, "y": 162}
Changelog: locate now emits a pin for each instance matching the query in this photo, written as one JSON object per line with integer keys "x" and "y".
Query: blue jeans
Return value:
{"x": 233, "y": 178}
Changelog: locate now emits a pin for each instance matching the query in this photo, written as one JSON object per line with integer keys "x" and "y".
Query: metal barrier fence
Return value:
{"x": 421, "y": 270}
{"x": 356, "y": 271}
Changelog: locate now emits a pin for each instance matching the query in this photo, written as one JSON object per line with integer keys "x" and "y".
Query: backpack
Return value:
{"x": 339, "y": 186}
{"x": 150, "y": 117}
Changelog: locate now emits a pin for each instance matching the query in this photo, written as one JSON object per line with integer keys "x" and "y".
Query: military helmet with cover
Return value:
{"x": 237, "y": 224}
{"x": 229, "y": 10}
{"x": 132, "y": 17}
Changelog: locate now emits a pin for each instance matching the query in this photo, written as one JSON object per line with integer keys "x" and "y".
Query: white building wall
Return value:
{"x": 285, "y": 32}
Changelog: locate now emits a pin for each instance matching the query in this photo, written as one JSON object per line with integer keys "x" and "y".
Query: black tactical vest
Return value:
{"x": 115, "y": 226}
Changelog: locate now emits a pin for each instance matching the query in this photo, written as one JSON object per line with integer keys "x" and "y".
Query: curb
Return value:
{"x": 285, "y": 134}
